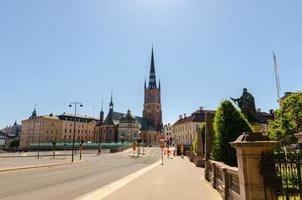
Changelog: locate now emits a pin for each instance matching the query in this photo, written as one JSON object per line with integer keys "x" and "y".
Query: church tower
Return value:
{"x": 152, "y": 103}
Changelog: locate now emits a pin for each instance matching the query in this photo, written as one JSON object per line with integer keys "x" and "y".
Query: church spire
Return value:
{"x": 152, "y": 77}
{"x": 102, "y": 106}
{"x": 111, "y": 103}
{"x": 102, "y": 114}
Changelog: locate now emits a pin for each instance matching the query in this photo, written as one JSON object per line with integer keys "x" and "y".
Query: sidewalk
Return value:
{"x": 177, "y": 179}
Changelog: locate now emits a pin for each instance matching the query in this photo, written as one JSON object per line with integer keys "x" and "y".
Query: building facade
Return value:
{"x": 58, "y": 128}
{"x": 185, "y": 129}
{"x": 168, "y": 133}
{"x": 13, "y": 131}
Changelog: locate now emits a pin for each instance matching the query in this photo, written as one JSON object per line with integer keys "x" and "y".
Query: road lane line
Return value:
{"x": 106, "y": 190}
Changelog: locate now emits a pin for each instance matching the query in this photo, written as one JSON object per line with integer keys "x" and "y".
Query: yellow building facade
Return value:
{"x": 60, "y": 128}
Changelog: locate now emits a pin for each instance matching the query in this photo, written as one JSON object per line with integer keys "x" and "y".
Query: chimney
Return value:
{"x": 200, "y": 108}
{"x": 180, "y": 116}
{"x": 258, "y": 110}
{"x": 271, "y": 111}
{"x": 185, "y": 115}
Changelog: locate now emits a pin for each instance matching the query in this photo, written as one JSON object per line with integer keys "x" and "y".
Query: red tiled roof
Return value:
{"x": 184, "y": 120}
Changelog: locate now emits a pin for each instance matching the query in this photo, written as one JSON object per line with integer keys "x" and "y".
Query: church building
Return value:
{"x": 125, "y": 127}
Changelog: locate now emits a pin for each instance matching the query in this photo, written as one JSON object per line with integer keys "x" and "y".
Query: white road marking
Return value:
{"x": 106, "y": 190}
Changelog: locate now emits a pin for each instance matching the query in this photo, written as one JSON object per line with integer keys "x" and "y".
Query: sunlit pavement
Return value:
{"x": 177, "y": 179}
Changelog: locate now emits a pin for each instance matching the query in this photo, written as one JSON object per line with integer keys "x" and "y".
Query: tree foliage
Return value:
{"x": 196, "y": 143}
{"x": 229, "y": 123}
{"x": 288, "y": 120}
{"x": 14, "y": 143}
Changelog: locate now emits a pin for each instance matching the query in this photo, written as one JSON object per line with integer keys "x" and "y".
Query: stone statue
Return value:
{"x": 247, "y": 105}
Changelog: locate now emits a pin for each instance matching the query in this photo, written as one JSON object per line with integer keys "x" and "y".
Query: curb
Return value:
{"x": 38, "y": 166}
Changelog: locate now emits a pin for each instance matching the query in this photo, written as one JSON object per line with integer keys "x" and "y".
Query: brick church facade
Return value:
{"x": 125, "y": 127}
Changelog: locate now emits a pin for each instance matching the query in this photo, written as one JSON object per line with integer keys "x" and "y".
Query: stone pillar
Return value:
{"x": 209, "y": 133}
{"x": 249, "y": 147}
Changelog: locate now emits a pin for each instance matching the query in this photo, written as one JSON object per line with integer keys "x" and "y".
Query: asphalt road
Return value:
{"x": 71, "y": 181}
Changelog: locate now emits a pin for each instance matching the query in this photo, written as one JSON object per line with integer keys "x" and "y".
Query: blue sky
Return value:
{"x": 58, "y": 51}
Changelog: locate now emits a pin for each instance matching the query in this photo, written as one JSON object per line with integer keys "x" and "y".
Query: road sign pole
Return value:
{"x": 162, "y": 156}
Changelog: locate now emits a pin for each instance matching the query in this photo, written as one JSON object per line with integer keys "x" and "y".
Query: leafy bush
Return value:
{"x": 194, "y": 146}
{"x": 229, "y": 123}
{"x": 288, "y": 120}
{"x": 14, "y": 143}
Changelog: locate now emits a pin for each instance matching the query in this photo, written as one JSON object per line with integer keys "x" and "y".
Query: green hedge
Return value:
{"x": 229, "y": 123}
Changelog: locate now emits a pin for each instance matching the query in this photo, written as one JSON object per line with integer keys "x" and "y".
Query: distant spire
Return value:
{"x": 102, "y": 114}
{"x": 111, "y": 102}
{"x": 145, "y": 83}
{"x": 159, "y": 83}
{"x": 34, "y": 114}
{"x": 152, "y": 77}
{"x": 152, "y": 61}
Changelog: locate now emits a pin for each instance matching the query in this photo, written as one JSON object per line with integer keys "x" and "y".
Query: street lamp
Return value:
{"x": 74, "y": 125}
{"x": 40, "y": 137}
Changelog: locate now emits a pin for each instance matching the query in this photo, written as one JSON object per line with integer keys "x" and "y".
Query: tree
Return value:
{"x": 14, "y": 143}
{"x": 229, "y": 123}
{"x": 288, "y": 120}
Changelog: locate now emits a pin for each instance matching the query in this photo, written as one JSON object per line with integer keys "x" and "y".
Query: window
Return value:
{"x": 149, "y": 98}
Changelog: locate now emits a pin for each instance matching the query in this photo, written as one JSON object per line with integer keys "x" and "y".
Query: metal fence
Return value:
{"x": 282, "y": 175}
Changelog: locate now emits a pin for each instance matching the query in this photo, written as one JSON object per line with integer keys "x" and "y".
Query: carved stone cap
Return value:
{"x": 253, "y": 139}
{"x": 298, "y": 134}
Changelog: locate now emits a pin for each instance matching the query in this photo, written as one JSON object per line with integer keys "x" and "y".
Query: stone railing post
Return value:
{"x": 249, "y": 147}
{"x": 226, "y": 186}
{"x": 214, "y": 175}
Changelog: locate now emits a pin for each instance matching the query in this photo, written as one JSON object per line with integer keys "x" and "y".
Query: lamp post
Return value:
{"x": 75, "y": 104}
{"x": 39, "y": 138}
{"x": 81, "y": 147}
{"x": 99, "y": 139}
{"x": 33, "y": 130}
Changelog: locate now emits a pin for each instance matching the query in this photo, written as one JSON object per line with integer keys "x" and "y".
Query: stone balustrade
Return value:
{"x": 223, "y": 178}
